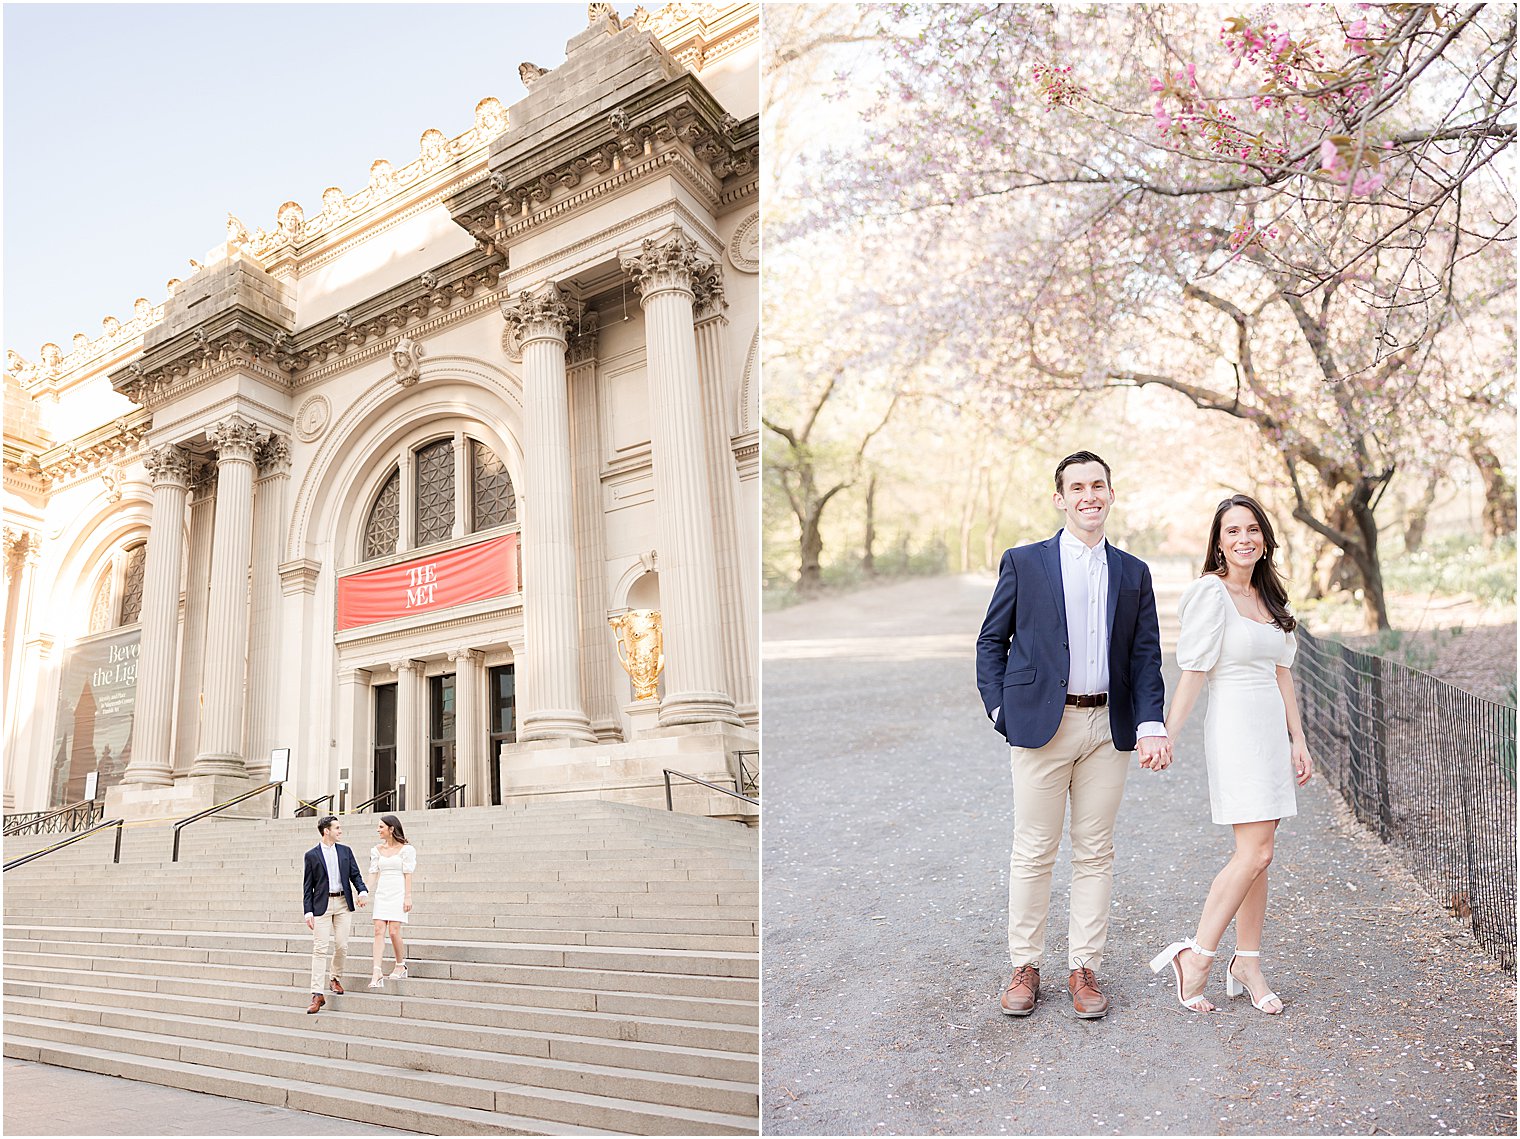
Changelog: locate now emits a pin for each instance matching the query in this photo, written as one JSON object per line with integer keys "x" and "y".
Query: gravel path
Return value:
{"x": 888, "y": 814}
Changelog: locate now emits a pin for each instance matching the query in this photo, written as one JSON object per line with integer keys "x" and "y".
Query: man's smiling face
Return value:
{"x": 1085, "y": 498}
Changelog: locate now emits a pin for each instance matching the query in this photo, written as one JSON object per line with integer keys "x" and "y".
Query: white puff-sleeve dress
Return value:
{"x": 1250, "y": 762}
{"x": 386, "y": 879}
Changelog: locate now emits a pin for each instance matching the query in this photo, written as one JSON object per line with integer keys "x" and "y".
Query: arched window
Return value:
{"x": 132, "y": 583}
{"x": 490, "y": 489}
{"x": 384, "y": 525}
{"x": 435, "y": 492}
{"x": 117, "y": 599}
{"x": 455, "y": 477}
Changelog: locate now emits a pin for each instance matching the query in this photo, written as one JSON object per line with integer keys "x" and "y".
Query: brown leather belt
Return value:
{"x": 1096, "y": 701}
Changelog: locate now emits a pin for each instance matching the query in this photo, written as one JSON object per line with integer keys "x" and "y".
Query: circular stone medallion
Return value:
{"x": 313, "y": 417}
{"x": 744, "y": 246}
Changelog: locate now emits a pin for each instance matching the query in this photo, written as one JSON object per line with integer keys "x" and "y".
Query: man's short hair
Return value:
{"x": 1081, "y": 457}
{"x": 324, "y": 822}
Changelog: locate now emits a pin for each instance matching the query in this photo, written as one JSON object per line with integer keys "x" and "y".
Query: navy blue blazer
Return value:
{"x": 315, "y": 887}
{"x": 1023, "y": 662}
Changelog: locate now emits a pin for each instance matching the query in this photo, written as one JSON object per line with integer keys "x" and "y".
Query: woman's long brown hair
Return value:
{"x": 1264, "y": 576}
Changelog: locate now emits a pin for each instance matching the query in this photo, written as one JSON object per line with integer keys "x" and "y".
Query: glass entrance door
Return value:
{"x": 384, "y": 765}
{"x": 502, "y": 698}
{"x": 441, "y": 736}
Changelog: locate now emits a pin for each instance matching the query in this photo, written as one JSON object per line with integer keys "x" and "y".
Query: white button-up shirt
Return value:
{"x": 330, "y": 856}
{"x": 1084, "y": 580}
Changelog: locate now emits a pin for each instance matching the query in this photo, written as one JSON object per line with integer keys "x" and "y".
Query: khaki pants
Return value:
{"x": 330, "y": 943}
{"x": 1081, "y": 764}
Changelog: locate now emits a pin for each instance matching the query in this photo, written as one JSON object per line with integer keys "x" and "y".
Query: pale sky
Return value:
{"x": 132, "y": 130}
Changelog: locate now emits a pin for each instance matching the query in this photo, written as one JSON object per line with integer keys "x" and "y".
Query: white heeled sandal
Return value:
{"x": 377, "y": 981}
{"x": 1168, "y": 956}
{"x": 1235, "y": 987}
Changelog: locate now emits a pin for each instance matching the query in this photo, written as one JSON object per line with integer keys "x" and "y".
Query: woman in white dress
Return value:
{"x": 391, "y": 864}
{"x": 1237, "y": 637}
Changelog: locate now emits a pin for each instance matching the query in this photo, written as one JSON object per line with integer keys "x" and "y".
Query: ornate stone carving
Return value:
{"x": 291, "y": 220}
{"x": 237, "y": 233}
{"x": 113, "y": 476}
{"x": 312, "y": 418}
{"x": 168, "y": 464}
{"x": 530, "y": 73}
{"x": 640, "y": 649}
{"x": 534, "y": 316}
{"x": 236, "y": 439}
{"x": 676, "y": 263}
{"x": 583, "y": 338}
{"x": 406, "y": 356}
{"x": 744, "y": 247}
{"x": 602, "y": 11}
{"x": 490, "y": 118}
{"x": 274, "y": 455}
{"x": 21, "y": 546}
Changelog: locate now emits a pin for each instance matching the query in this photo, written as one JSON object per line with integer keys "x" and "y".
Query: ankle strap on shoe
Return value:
{"x": 1192, "y": 944}
{"x": 1248, "y": 953}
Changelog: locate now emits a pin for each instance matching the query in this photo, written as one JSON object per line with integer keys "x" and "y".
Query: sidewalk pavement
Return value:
{"x": 888, "y": 819}
{"x": 42, "y": 1099}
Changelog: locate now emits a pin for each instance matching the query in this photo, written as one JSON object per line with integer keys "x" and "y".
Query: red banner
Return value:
{"x": 440, "y": 581}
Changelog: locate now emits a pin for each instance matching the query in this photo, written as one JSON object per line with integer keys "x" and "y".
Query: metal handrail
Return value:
{"x": 37, "y": 818}
{"x": 25, "y": 858}
{"x": 372, "y": 800}
{"x": 183, "y": 823}
{"x": 447, "y": 792}
{"x": 312, "y": 806}
{"x": 670, "y": 803}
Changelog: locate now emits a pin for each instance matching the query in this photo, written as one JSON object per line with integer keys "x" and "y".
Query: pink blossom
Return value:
{"x": 1367, "y": 183}
{"x": 1192, "y": 74}
{"x": 1281, "y": 41}
{"x": 1329, "y": 157}
{"x": 1163, "y": 120}
{"x": 1156, "y": 84}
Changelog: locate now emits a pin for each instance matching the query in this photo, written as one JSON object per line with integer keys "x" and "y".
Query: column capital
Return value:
{"x": 168, "y": 465}
{"x": 236, "y": 439}
{"x": 466, "y": 655}
{"x": 22, "y": 545}
{"x": 583, "y": 339}
{"x": 401, "y": 666}
{"x": 274, "y": 455}
{"x": 548, "y": 314}
{"x": 676, "y": 263}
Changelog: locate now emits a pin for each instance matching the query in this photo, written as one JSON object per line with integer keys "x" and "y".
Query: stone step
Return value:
{"x": 426, "y": 981}
{"x": 207, "y": 1021}
{"x": 149, "y": 993}
{"x": 298, "y": 1095}
{"x": 401, "y": 1079}
{"x": 447, "y": 961}
{"x": 343, "y": 1042}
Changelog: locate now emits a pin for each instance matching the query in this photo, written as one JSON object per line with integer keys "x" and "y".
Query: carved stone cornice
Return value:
{"x": 299, "y": 576}
{"x": 95, "y": 450}
{"x": 389, "y": 312}
{"x": 168, "y": 465}
{"x": 677, "y": 115}
{"x": 677, "y": 262}
{"x": 233, "y": 338}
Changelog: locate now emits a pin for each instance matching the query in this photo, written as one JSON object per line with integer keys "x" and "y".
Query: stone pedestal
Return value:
{"x": 634, "y": 772}
{"x": 643, "y": 717}
{"x": 136, "y": 802}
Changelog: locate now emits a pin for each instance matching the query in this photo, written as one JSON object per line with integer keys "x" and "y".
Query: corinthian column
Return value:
{"x": 152, "y": 763}
{"x": 553, "y": 707}
{"x": 221, "y": 746}
{"x": 469, "y": 729}
{"x": 672, "y": 277}
{"x": 263, "y": 647}
{"x": 192, "y": 653}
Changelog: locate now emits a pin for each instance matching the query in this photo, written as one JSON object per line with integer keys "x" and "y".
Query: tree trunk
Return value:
{"x": 1419, "y": 516}
{"x": 1498, "y": 491}
{"x": 868, "y": 559}
{"x": 810, "y": 575}
{"x": 1374, "y": 601}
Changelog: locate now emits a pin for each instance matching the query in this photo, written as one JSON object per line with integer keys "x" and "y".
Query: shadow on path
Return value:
{"x": 888, "y": 817}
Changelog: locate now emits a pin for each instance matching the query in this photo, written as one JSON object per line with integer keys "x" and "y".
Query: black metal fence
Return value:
{"x": 64, "y": 820}
{"x": 1430, "y": 768}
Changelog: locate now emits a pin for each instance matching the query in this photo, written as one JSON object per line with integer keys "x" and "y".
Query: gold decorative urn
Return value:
{"x": 640, "y": 648}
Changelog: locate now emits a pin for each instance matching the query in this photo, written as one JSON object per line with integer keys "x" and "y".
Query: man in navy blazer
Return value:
{"x": 1069, "y": 666}
{"x": 327, "y": 889}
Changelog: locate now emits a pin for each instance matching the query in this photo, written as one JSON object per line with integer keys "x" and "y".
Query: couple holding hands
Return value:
{"x": 1069, "y": 667}
{"x": 333, "y": 891}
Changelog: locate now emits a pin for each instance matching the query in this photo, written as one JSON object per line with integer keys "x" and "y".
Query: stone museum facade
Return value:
{"x": 375, "y": 485}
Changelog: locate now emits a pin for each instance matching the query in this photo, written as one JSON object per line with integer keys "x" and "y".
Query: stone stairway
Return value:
{"x": 576, "y": 968}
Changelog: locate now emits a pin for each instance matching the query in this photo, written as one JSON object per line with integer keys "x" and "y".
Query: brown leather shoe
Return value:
{"x": 336, "y": 986}
{"x": 317, "y": 1001}
{"x": 1022, "y": 991}
{"x": 1089, "y": 1003}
